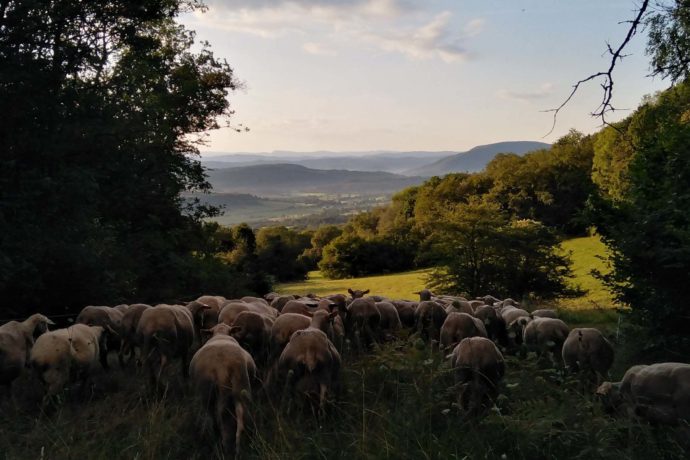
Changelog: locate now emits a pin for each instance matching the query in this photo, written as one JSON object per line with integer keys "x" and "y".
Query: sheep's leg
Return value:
{"x": 239, "y": 421}
{"x": 323, "y": 388}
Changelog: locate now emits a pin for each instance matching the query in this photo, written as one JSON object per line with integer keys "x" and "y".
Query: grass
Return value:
{"x": 588, "y": 253}
{"x": 396, "y": 286}
{"x": 398, "y": 402}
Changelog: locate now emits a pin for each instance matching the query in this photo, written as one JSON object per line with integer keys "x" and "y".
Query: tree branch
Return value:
{"x": 607, "y": 86}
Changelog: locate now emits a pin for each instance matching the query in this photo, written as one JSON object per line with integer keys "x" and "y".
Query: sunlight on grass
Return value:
{"x": 396, "y": 286}
{"x": 587, "y": 253}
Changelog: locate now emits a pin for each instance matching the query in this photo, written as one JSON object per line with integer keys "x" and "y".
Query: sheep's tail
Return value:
{"x": 311, "y": 361}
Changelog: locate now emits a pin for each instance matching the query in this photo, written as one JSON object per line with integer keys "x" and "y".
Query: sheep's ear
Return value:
{"x": 49, "y": 321}
{"x": 234, "y": 329}
{"x": 111, "y": 330}
{"x": 333, "y": 314}
{"x": 366, "y": 292}
{"x": 350, "y": 291}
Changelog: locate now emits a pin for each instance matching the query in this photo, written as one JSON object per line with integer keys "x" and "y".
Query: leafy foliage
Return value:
{"x": 649, "y": 229}
{"x": 104, "y": 104}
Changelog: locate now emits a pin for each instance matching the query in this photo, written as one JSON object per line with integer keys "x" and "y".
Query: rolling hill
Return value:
{"x": 475, "y": 159}
{"x": 291, "y": 179}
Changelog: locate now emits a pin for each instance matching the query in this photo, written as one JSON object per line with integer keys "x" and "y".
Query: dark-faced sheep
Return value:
{"x": 459, "y": 326}
{"x": 494, "y": 324}
{"x": 310, "y": 363}
{"x": 16, "y": 340}
{"x": 223, "y": 372}
{"x": 479, "y": 368}
{"x": 586, "y": 349}
{"x": 658, "y": 393}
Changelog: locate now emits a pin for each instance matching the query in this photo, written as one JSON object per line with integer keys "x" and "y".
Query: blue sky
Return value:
{"x": 353, "y": 75}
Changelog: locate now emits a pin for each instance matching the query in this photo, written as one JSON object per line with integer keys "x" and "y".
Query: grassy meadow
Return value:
{"x": 399, "y": 401}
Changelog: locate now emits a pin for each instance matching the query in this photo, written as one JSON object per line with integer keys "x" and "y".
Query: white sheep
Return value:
{"x": 16, "y": 340}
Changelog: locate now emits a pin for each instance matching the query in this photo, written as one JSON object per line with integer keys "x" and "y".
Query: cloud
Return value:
{"x": 544, "y": 91}
{"x": 396, "y": 26}
{"x": 318, "y": 49}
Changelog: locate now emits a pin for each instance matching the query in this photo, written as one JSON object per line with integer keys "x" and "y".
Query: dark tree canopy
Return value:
{"x": 103, "y": 105}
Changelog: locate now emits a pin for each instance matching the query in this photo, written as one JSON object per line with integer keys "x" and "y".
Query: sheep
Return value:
{"x": 406, "y": 311}
{"x": 516, "y": 319}
{"x": 279, "y": 302}
{"x": 357, "y": 293}
{"x": 16, "y": 340}
{"x": 390, "y": 320}
{"x": 429, "y": 318}
{"x": 206, "y": 318}
{"x": 128, "y": 331}
{"x": 283, "y": 328}
{"x": 222, "y": 373}
{"x": 658, "y": 393}
{"x": 300, "y": 306}
{"x": 311, "y": 363}
{"x": 233, "y": 308}
{"x": 544, "y": 313}
{"x": 424, "y": 295}
{"x": 68, "y": 354}
{"x": 108, "y": 317}
{"x": 488, "y": 299}
{"x": 253, "y": 332}
{"x": 494, "y": 324}
{"x": 255, "y": 300}
{"x": 459, "y": 326}
{"x": 546, "y": 335}
{"x": 479, "y": 368}
{"x": 460, "y": 306}
{"x": 165, "y": 332}
{"x": 587, "y": 349}
{"x": 362, "y": 321}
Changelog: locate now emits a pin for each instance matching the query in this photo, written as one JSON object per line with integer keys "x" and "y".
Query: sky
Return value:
{"x": 361, "y": 75}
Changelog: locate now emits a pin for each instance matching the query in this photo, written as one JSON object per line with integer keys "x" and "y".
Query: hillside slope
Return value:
{"x": 475, "y": 159}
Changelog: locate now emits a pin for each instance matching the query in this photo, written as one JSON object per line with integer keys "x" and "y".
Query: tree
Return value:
{"x": 648, "y": 227}
{"x": 320, "y": 238}
{"x": 278, "y": 252}
{"x": 480, "y": 250}
{"x": 104, "y": 104}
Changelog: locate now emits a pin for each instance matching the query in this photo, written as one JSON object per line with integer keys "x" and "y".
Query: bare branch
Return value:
{"x": 607, "y": 86}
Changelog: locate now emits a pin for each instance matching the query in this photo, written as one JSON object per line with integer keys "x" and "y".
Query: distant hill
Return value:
{"x": 394, "y": 162}
{"x": 291, "y": 179}
{"x": 475, "y": 159}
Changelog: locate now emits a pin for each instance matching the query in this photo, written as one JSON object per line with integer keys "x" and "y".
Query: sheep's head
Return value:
{"x": 357, "y": 293}
{"x": 424, "y": 294}
{"x": 610, "y": 396}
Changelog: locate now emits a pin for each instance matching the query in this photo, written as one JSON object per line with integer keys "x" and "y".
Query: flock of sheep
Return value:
{"x": 295, "y": 343}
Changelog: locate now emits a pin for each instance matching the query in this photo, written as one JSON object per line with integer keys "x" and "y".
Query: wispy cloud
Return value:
{"x": 398, "y": 26}
{"x": 318, "y": 49}
{"x": 543, "y": 92}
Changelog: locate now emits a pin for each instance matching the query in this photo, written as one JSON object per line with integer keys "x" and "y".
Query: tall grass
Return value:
{"x": 398, "y": 402}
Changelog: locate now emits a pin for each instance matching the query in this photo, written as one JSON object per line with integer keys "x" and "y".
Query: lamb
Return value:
{"x": 223, "y": 373}
{"x": 16, "y": 340}
{"x": 658, "y": 393}
{"x": 587, "y": 349}
{"x": 357, "y": 293}
{"x": 479, "y": 368}
{"x": 128, "y": 331}
{"x": 64, "y": 354}
{"x": 165, "y": 332}
{"x": 546, "y": 335}
{"x": 459, "y": 326}
{"x": 429, "y": 318}
{"x": 311, "y": 363}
